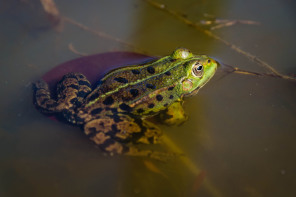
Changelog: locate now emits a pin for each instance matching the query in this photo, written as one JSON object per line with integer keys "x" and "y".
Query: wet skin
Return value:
{"x": 114, "y": 114}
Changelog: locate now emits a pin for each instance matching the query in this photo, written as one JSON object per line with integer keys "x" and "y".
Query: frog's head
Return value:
{"x": 199, "y": 70}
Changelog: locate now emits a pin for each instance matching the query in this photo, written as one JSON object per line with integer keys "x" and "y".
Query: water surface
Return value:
{"x": 241, "y": 130}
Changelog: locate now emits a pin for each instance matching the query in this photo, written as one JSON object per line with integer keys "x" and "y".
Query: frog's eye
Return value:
{"x": 197, "y": 70}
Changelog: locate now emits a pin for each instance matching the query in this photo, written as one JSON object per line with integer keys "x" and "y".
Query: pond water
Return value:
{"x": 238, "y": 140}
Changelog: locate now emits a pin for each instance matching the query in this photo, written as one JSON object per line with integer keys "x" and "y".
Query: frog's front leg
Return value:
{"x": 114, "y": 134}
{"x": 173, "y": 115}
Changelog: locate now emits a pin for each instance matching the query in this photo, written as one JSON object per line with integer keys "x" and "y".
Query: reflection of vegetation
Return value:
{"x": 184, "y": 19}
{"x": 196, "y": 170}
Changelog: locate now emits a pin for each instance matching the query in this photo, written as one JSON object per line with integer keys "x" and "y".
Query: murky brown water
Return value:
{"x": 238, "y": 141}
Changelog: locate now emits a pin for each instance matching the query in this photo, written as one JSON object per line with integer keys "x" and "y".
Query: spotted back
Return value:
{"x": 140, "y": 89}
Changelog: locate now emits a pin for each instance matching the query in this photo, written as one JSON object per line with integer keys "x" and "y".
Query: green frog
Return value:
{"x": 114, "y": 114}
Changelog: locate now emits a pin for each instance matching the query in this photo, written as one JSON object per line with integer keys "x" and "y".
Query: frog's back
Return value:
{"x": 148, "y": 88}
{"x": 134, "y": 88}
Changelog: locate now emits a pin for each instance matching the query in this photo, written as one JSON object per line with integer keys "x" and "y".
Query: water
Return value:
{"x": 241, "y": 130}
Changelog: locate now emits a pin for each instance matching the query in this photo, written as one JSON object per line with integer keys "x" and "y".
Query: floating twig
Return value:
{"x": 227, "y": 23}
{"x": 72, "y": 49}
{"x": 233, "y": 69}
{"x": 219, "y": 23}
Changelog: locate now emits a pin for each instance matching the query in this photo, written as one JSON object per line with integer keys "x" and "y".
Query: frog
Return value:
{"x": 115, "y": 114}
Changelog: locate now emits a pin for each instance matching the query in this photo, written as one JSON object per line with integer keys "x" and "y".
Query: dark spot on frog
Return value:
{"x": 73, "y": 100}
{"x": 159, "y": 97}
{"x": 125, "y": 107}
{"x": 151, "y": 140}
{"x": 171, "y": 97}
{"x": 80, "y": 120}
{"x": 165, "y": 105}
{"x": 44, "y": 101}
{"x": 166, "y": 116}
{"x": 113, "y": 110}
{"x": 150, "y": 69}
{"x": 96, "y": 111}
{"x": 114, "y": 128}
{"x": 51, "y": 105}
{"x": 107, "y": 143}
{"x": 136, "y": 72}
{"x": 108, "y": 101}
{"x": 81, "y": 94}
{"x": 140, "y": 110}
{"x": 121, "y": 80}
{"x": 171, "y": 88}
{"x": 151, "y": 86}
{"x": 134, "y": 92}
{"x": 115, "y": 117}
{"x": 73, "y": 86}
{"x": 80, "y": 76}
{"x": 139, "y": 122}
{"x": 92, "y": 131}
{"x": 168, "y": 73}
{"x": 84, "y": 83}
{"x": 151, "y": 105}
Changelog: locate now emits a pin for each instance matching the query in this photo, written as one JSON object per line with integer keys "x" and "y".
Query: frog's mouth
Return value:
{"x": 194, "y": 92}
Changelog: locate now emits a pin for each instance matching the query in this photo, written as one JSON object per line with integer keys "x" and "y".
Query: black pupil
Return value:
{"x": 199, "y": 68}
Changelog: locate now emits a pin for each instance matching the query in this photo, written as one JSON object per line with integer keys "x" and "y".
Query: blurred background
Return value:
{"x": 241, "y": 131}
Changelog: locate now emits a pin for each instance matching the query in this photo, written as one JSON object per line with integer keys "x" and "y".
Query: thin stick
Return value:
{"x": 100, "y": 34}
{"x": 228, "y": 23}
{"x": 233, "y": 69}
{"x": 72, "y": 48}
